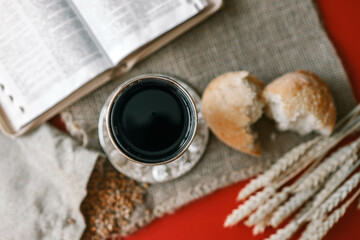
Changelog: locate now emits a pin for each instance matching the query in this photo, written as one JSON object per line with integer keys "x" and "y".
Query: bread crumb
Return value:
{"x": 273, "y": 136}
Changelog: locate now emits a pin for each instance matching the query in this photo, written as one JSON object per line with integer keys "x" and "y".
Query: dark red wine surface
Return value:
{"x": 150, "y": 119}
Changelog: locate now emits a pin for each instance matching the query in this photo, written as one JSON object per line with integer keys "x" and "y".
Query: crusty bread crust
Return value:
{"x": 231, "y": 103}
{"x": 303, "y": 91}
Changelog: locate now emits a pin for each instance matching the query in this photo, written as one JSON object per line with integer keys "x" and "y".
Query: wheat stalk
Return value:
{"x": 310, "y": 207}
{"x": 324, "y": 227}
{"x": 316, "y": 152}
{"x": 307, "y": 215}
{"x": 293, "y": 226}
{"x": 315, "y": 230}
{"x": 248, "y": 206}
{"x": 305, "y": 210}
{"x": 300, "y": 198}
{"x": 339, "y": 195}
{"x": 312, "y": 158}
{"x": 304, "y": 152}
{"x": 336, "y": 179}
{"x": 255, "y": 201}
{"x": 260, "y": 226}
{"x": 310, "y": 229}
{"x": 348, "y": 118}
{"x": 277, "y": 168}
{"x": 279, "y": 197}
{"x": 330, "y": 164}
{"x": 318, "y": 229}
{"x": 268, "y": 207}
{"x": 254, "y": 185}
{"x": 290, "y": 206}
{"x": 286, "y": 232}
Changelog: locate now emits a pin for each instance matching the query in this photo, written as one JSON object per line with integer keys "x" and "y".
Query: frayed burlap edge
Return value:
{"x": 74, "y": 128}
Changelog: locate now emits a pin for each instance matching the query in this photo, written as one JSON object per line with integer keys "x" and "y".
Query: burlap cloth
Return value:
{"x": 43, "y": 178}
{"x": 267, "y": 38}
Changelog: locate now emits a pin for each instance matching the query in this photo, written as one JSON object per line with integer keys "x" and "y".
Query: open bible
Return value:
{"x": 53, "y": 52}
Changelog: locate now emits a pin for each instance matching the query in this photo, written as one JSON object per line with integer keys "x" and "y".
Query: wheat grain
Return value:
{"x": 312, "y": 158}
{"x": 268, "y": 207}
{"x": 321, "y": 147}
{"x": 316, "y": 148}
{"x": 304, "y": 211}
{"x": 277, "y": 168}
{"x": 248, "y": 206}
{"x": 323, "y": 227}
{"x": 318, "y": 229}
{"x": 254, "y": 185}
{"x": 298, "y": 199}
{"x": 300, "y": 219}
{"x": 286, "y": 232}
{"x": 295, "y": 224}
{"x": 339, "y": 195}
{"x": 336, "y": 179}
{"x": 330, "y": 164}
{"x": 290, "y": 206}
{"x": 260, "y": 226}
{"x": 310, "y": 228}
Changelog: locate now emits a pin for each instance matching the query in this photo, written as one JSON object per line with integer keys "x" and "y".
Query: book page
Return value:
{"x": 123, "y": 26}
{"x": 45, "y": 55}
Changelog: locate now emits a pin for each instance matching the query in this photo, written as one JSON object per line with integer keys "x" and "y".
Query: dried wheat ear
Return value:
{"x": 305, "y": 181}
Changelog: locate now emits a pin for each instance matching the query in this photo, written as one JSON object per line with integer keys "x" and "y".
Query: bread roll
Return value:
{"x": 300, "y": 101}
{"x": 231, "y": 104}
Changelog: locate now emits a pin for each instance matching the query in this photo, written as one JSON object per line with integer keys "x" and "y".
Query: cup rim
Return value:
{"x": 133, "y": 80}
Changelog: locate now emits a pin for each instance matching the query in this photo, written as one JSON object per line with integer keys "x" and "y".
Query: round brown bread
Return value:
{"x": 231, "y": 104}
{"x": 300, "y": 101}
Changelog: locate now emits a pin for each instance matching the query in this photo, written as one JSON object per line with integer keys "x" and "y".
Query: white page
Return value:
{"x": 45, "y": 55}
{"x": 122, "y": 26}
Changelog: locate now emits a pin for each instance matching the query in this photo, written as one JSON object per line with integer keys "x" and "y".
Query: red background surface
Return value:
{"x": 203, "y": 219}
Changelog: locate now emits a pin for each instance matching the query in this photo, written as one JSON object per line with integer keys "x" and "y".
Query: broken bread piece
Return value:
{"x": 231, "y": 104}
{"x": 300, "y": 101}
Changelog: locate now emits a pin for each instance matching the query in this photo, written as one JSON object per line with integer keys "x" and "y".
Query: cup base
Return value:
{"x": 163, "y": 172}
